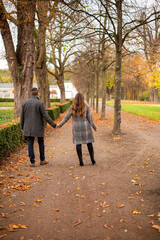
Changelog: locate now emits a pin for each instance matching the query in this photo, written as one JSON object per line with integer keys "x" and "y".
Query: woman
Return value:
{"x": 82, "y": 122}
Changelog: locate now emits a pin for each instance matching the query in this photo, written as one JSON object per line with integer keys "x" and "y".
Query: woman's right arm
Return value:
{"x": 66, "y": 118}
{"x": 90, "y": 119}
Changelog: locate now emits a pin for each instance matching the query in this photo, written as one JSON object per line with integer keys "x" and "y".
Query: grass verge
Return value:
{"x": 150, "y": 112}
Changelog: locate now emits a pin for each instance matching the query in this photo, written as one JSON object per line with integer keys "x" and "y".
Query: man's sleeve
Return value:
{"x": 22, "y": 117}
{"x": 46, "y": 115}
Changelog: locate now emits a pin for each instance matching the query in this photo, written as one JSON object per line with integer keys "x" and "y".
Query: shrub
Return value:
{"x": 64, "y": 106}
{"x": 11, "y": 137}
{"x": 54, "y": 112}
{"x": 6, "y": 99}
{"x": 57, "y": 99}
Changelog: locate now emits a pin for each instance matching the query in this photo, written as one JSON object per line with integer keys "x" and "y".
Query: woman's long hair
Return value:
{"x": 78, "y": 106}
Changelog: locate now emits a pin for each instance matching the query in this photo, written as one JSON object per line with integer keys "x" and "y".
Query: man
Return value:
{"x": 32, "y": 124}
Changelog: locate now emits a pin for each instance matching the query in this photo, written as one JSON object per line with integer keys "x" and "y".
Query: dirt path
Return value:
{"x": 111, "y": 200}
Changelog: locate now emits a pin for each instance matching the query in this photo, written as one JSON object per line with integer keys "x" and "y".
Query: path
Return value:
{"x": 112, "y": 200}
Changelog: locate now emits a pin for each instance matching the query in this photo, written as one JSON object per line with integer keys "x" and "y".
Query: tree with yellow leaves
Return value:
{"x": 154, "y": 76}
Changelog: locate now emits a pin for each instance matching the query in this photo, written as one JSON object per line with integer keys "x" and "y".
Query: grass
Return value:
{"x": 6, "y": 104}
{"x": 11, "y": 104}
{"x": 150, "y": 112}
{"x": 6, "y": 115}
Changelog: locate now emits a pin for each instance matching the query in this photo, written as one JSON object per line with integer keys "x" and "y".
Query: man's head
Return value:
{"x": 34, "y": 92}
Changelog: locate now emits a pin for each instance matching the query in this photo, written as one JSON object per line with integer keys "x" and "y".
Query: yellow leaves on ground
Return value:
{"x": 110, "y": 228}
{"x": 81, "y": 196}
{"x": 13, "y": 227}
{"x": 104, "y": 205}
{"x": 136, "y": 212}
{"x": 39, "y": 200}
{"x": 120, "y": 206}
{"x": 156, "y": 227}
{"x": 56, "y": 209}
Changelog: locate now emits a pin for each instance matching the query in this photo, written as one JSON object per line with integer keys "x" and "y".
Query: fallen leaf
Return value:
{"x": 77, "y": 223}
{"x": 4, "y": 235}
{"x": 82, "y": 196}
{"x": 151, "y": 215}
{"x": 2, "y": 228}
{"x": 139, "y": 227}
{"x": 22, "y": 204}
{"x": 136, "y": 212}
{"x": 156, "y": 227}
{"x": 105, "y": 225}
{"x": 120, "y": 206}
{"x": 39, "y": 200}
{"x": 121, "y": 220}
{"x": 36, "y": 205}
{"x": 57, "y": 210}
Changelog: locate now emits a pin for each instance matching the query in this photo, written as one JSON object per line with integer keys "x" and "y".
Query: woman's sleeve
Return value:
{"x": 89, "y": 118}
{"x": 66, "y": 118}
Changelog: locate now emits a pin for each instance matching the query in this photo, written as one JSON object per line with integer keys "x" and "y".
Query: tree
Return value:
{"x": 134, "y": 76}
{"x": 121, "y": 22}
{"x": 46, "y": 11}
{"x": 151, "y": 44}
{"x": 20, "y": 61}
{"x": 154, "y": 76}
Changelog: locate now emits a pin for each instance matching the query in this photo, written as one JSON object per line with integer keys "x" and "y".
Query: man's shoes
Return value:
{"x": 81, "y": 163}
{"x": 93, "y": 162}
{"x": 44, "y": 162}
{"x": 32, "y": 165}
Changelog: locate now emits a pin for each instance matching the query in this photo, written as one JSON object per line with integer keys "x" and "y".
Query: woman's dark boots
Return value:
{"x": 79, "y": 153}
{"x": 91, "y": 152}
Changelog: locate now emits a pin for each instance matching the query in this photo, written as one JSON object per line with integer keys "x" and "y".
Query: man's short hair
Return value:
{"x": 34, "y": 91}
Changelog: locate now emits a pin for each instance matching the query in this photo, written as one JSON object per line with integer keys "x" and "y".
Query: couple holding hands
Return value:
{"x": 32, "y": 124}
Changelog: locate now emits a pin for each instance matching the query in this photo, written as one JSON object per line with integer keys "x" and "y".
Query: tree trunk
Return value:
{"x": 93, "y": 92}
{"x": 103, "y": 73}
{"x": 62, "y": 88}
{"x": 152, "y": 94}
{"x": 155, "y": 95}
{"x": 20, "y": 62}
{"x": 97, "y": 91}
{"x": 88, "y": 92}
{"x": 117, "y": 102}
{"x": 41, "y": 69}
{"x": 43, "y": 84}
{"x": 103, "y": 94}
{"x": 40, "y": 54}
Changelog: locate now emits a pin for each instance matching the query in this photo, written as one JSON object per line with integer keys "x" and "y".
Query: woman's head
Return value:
{"x": 78, "y": 105}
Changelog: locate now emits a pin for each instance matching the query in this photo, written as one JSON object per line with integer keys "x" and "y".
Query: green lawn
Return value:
{"x": 6, "y": 104}
{"x": 11, "y": 104}
{"x": 6, "y": 116}
{"x": 150, "y": 112}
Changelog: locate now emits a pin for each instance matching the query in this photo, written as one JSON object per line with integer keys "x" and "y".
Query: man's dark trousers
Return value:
{"x": 31, "y": 148}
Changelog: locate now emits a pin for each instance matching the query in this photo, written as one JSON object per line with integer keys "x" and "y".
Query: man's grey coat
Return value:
{"x": 32, "y": 115}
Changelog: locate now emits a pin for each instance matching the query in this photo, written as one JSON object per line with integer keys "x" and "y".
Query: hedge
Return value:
{"x": 11, "y": 137}
{"x": 6, "y": 99}
{"x": 54, "y": 112}
{"x": 64, "y": 106}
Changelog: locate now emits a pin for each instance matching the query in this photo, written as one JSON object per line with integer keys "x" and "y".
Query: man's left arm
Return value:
{"x": 46, "y": 115}
{"x": 22, "y": 117}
